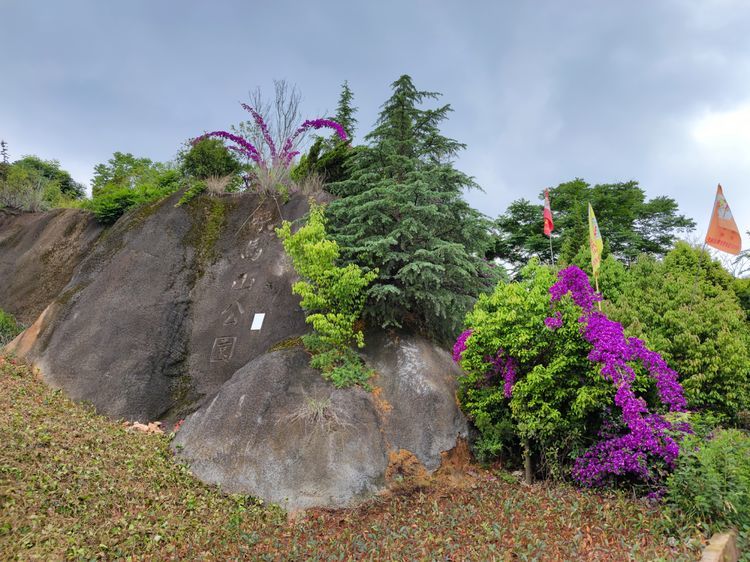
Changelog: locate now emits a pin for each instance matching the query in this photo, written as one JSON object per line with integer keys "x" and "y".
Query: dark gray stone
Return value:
{"x": 38, "y": 253}
{"x": 139, "y": 330}
{"x": 253, "y": 437}
{"x": 260, "y": 435}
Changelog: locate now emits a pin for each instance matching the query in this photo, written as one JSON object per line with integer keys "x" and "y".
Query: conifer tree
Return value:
{"x": 345, "y": 111}
{"x": 4, "y": 160}
{"x": 402, "y": 212}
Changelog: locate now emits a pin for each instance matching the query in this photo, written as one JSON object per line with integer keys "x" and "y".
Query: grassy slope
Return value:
{"x": 76, "y": 485}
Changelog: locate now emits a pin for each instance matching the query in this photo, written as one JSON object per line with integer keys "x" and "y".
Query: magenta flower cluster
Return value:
{"x": 646, "y": 436}
{"x": 460, "y": 346}
{"x": 505, "y": 366}
{"x": 281, "y": 157}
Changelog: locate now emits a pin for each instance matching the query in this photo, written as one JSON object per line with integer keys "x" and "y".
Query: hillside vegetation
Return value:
{"x": 79, "y": 486}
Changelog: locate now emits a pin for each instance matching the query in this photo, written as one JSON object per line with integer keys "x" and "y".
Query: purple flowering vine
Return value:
{"x": 460, "y": 346}
{"x": 278, "y": 158}
{"x": 647, "y": 435}
{"x": 505, "y": 366}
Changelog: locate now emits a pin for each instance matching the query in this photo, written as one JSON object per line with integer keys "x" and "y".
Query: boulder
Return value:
{"x": 279, "y": 431}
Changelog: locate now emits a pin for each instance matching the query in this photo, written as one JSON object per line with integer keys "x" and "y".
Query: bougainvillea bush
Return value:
{"x": 543, "y": 365}
{"x": 271, "y": 163}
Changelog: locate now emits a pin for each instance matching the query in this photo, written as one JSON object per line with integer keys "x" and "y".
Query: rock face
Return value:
{"x": 38, "y": 253}
{"x": 159, "y": 313}
{"x": 187, "y": 312}
{"x": 277, "y": 430}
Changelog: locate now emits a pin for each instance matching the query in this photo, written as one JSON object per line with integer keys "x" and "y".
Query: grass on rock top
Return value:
{"x": 76, "y": 485}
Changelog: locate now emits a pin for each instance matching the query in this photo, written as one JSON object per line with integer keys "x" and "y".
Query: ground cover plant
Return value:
{"x": 9, "y": 327}
{"x": 79, "y": 486}
{"x": 710, "y": 486}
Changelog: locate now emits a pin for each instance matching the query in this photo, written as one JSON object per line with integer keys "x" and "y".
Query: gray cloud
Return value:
{"x": 542, "y": 92}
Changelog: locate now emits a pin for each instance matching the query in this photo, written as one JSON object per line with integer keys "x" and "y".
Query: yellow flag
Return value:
{"x": 595, "y": 242}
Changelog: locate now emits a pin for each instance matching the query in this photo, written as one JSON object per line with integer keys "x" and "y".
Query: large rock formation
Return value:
{"x": 38, "y": 253}
{"x": 159, "y": 314}
{"x": 277, "y": 430}
{"x": 187, "y": 310}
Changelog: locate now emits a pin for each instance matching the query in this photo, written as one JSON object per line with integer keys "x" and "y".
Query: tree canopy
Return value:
{"x": 686, "y": 308}
{"x": 51, "y": 171}
{"x": 630, "y": 223}
{"x": 402, "y": 213}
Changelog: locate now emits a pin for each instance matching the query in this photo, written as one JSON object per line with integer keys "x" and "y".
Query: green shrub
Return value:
{"x": 685, "y": 308}
{"x": 710, "y": 486}
{"x": 9, "y": 328}
{"x": 196, "y": 187}
{"x": 113, "y": 200}
{"x": 558, "y": 396}
{"x": 207, "y": 158}
{"x": 332, "y": 296}
{"x": 110, "y": 204}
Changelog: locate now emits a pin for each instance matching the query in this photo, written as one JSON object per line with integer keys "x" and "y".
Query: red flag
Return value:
{"x": 723, "y": 233}
{"x": 549, "y": 226}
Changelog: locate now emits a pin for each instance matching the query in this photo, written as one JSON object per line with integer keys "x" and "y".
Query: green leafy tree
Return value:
{"x": 123, "y": 170}
{"x": 402, "y": 213}
{"x": 332, "y": 296}
{"x": 51, "y": 170}
{"x": 26, "y": 188}
{"x": 125, "y": 182}
{"x": 209, "y": 157}
{"x": 631, "y": 225}
{"x": 685, "y": 308}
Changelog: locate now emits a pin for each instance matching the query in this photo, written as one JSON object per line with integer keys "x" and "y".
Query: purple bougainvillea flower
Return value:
{"x": 645, "y": 435}
{"x": 287, "y": 154}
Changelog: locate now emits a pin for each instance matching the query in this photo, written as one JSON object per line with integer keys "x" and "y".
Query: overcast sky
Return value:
{"x": 542, "y": 92}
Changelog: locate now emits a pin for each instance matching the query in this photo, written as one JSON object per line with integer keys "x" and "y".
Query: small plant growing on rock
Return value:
{"x": 333, "y": 298}
{"x": 318, "y": 414}
{"x": 9, "y": 328}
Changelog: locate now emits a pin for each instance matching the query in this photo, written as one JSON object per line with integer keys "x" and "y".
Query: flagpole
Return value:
{"x": 551, "y": 254}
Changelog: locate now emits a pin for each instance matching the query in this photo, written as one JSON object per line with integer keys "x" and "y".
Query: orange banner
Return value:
{"x": 723, "y": 233}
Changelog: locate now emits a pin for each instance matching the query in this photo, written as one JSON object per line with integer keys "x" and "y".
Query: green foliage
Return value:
{"x": 9, "y": 328}
{"x": 103, "y": 492}
{"x": 345, "y": 110}
{"x": 630, "y": 224}
{"x": 33, "y": 184}
{"x": 710, "y": 486}
{"x": 327, "y": 159}
{"x": 126, "y": 182}
{"x": 403, "y": 213}
{"x": 123, "y": 170}
{"x": 195, "y": 188}
{"x": 339, "y": 364}
{"x": 207, "y": 158}
{"x": 558, "y": 397}
{"x": 685, "y": 308}
{"x": 332, "y": 296}
{"x": 51, "y": 171}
